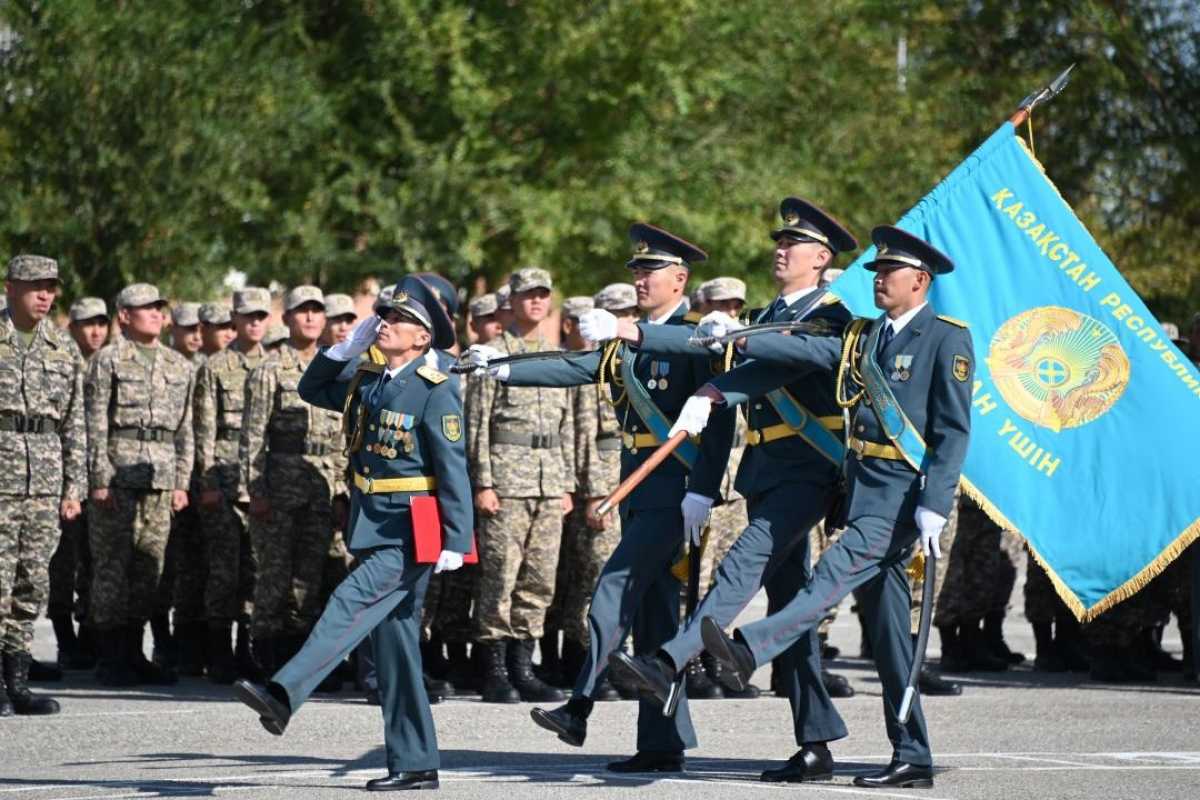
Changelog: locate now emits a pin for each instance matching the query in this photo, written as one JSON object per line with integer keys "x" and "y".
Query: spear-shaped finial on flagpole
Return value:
{"x": 1036, "y": 98}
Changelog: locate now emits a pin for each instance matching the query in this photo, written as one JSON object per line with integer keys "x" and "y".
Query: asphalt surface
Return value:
{"x": 1017, "y": 734}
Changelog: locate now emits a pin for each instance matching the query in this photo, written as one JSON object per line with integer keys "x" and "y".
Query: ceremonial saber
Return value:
{"x": 638, "y": 475}
{"x": 753, "y": 330}
{"x": 692, "y": 600}
{"x": 463, "y": 366}
{"x": 914, "y": 674}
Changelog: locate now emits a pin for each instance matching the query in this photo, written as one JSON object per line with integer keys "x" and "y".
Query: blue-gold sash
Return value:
{"x": 896, "y": 426}
{"x": 654, "y": 418}
{"x": 807, "y": 426}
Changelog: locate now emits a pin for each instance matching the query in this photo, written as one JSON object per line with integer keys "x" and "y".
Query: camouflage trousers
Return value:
{"x": 185, "y": 568}
{"x": 229, "y": 587}
{"x": 1042, "y": 603}
{"x": 129, "y": 544}
{"x": 1169, "y": 592}
{"x": 447, "y": 611}
{"x": 981, "y": 572}
{"x": 291, "y": 547}
{"x": 726, "y": 524}
{"x": 518, "y": 562}
{"x": 28, "y": 535}
{"x": 71, "y": 571}
{"x": 1172, "y": 591}
{"x": 584, "y": 553}
{"x": 947, "y": 542}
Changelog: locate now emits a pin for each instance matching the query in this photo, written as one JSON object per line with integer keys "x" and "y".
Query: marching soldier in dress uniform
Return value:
{"x": 905, "y": 380}
{"x": 140, "y": 445}
{"x": 520, "y": 450}
{"x": 405, "y": 420}
{"x": 43, "y": 438}
{"x": 292, "y": 467}
{"x": 789, "y": 476}
{"x": 636, "y": 588}
{"x": 218, "y": 407}
{"x": 71, "y": 564}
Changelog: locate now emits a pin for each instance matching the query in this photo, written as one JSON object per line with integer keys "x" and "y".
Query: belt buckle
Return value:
{"x": 754, "y": 438}
{"x": 858, "y": 445}
{"x": 370, "y": 483}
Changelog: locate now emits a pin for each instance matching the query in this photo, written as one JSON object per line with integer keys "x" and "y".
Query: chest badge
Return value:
{"x": 902, "y": 368}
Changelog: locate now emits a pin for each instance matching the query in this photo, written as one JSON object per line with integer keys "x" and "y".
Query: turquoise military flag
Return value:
{"x": 1085, "y": 416}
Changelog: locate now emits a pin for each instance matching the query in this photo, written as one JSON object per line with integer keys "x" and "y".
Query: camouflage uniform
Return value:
{"x": 140, "y": 448}
{"x": 520, "y": 444}
{"x": 43, "y": 442}
{"x": 981, "y": 572}
{"x": 291, "y": 455}
{"x": 947, "y": 542}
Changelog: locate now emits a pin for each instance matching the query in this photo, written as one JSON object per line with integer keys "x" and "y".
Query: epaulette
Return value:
{"x": 693, "y": 317}
{"x": 375, "y": 355}
{"x": 432, "y": 375}
{"x": 370, "y": 366}
{"x": 952, "y": 320}
{"x": 830, "y": 299}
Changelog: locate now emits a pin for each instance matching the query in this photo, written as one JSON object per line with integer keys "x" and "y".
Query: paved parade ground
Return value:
{"x": 1011, "y": 735}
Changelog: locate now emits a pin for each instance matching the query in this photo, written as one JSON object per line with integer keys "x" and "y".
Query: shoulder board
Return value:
{"x": 375, "y": 355}
{"x": 369, "y": 366}
{"x": 952, "y": 320}
{"x": 432, "y": 375}
{"x": 693, "y": 317}
{"x": 830, "y": 299}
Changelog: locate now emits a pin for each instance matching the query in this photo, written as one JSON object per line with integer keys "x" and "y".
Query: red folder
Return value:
{"x": 427, "y": 532}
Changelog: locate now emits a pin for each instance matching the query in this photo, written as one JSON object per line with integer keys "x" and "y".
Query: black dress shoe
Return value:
{"x": 836, "y": 685}
{"x": 898, "y": 775}
{"x": 735, "y": 658}
{"x": 812, "y": 762}
{"x": 649, "y": 761}
{"x": 650, "y": 674}
{"x": 934, "y": 685}
{"x": 605, "y": 692}
{"x": 569, "y": 721}
{"x": 405, "y": 780}
{"x": 273, "y": 712}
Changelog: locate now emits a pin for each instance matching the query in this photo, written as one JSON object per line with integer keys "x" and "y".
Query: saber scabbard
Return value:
{"x": 914, "y": 674}
{"x": 638, "y": 475}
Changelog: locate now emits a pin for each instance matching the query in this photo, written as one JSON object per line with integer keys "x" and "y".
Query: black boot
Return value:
{"x": 266, "y": 654}
{"x": 146, "y": 671}
{"x": 496, "y": 687}
{"x": 460, "y": 674}
{"x": 221, "y": 668}
{"x": 1108, "y": 666}
{"x": 68, "y": 644}
{"x": 85, "y": 644}
{"x": 712, "y": 668}
{"x": 165, "y": 653}
{"x": 1160, "y": 659}
{"x": 190, "y": 641}
{"x": 44, "y": 673}
{"x": 699, "y": 685}
{"x": 6, "y": 706}
{"x": 1068, "y": 640}
{"x": 626, "y": 690}
{"x": 551, "y": 669}
{"x": 520, "y": 672}
{"x": 433, "y": 659}
{"x": 993, "y": 634}
{"x": 112, "y": 667}
{"x": 978, "y": 654}
{"x": 1139, "y": 662}
{"x": 954, "y": 658}
{"x": 1189, "y": 655}
{"x": 828, "y": 651}
{"x": 243, "y": 654}
{"x": 836, "y": 685}
{"x": 16, "y": 677}
{"x": 1048, "y": 658}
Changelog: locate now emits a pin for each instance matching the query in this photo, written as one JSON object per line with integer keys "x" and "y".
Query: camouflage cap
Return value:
{"x": 251, "y": 300}
{"x": 504, "y": 297}
{"x": 484, "y": 305}
{"x": 32, "y": 268}
{"x": 530, "y": 278}
{"x": 87, "y": 308}
{"x": 697, "y": 295}
{"x": 136, "y": 295}
{"x": 275, "y": 334}
{"x": 215, "y": 314}
{"x": 185, "y": 315}
{"x": 574, "y": 307}
{"x": 299, "y": 295}
{"x": 724, "y": 288}
{"x": 339, "y": 305}
{"x": 616, "y": 297}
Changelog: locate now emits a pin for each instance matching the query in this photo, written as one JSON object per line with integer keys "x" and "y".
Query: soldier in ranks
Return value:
{"x": 340, "y": 317}
{"x": 407, "y": 443}
{"x": 292, "y": 467}
{"x": 275, "y": 338}
{"x": 217, "y": 408}
{"x": 216, "y": 328}
{"x": 520, "y": 453}
{"x": 43, "y": 436}
{"x": 71, "y": 564}
{"x": 138, "y": 397}
{"x": 790, "y": 477}
{"x": 485, "y": 323}
{"x": 636, "y": 588}
{"x": 901, "y": 479}
{"x": 504, "y": 312}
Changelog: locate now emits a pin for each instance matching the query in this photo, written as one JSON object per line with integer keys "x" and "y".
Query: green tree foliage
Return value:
{"x": 326, "y": 140}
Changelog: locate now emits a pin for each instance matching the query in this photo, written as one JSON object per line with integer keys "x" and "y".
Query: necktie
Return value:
{"x": 886, "y": 338}
{"x": 775, "y": 309}
{"x": 377, "y": 392}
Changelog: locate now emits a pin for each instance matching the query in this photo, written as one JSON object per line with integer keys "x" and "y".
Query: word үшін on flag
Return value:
{"x": 1085, "y": 416}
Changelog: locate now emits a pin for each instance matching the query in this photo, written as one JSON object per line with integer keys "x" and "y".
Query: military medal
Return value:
{"x": 664, "y": 369}
{"x": 653, "y": 382}
{"x": 902, "y": 368}
{"x": 407, "y": 421}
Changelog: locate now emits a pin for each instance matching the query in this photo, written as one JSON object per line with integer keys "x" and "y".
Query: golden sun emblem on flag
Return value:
{"x": 1058, "y": 368}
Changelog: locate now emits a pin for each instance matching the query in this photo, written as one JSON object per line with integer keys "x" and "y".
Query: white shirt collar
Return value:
{"x": 789, "y": 299}
{"x": 898, "y": 324}
{"x": 666, "y": 316}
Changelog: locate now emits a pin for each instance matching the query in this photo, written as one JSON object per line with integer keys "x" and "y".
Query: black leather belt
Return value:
{"x": 142, "y": 434}
{"x": 538, "y": 441}
{"x": 19, "y": 423}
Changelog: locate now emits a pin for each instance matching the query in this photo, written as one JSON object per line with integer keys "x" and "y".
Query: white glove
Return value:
{"x": 695, "y": 513}
{"x": 930, "y": 523}
{"x": 479, "y": 355}
{"x": 597, "y": 325}
{"x": 692, "y": 417}
{"x": 448, "y": 561}
{"x": 716, "y": 323}
{"x": 358, "y": 342}
{"x": 499, "y": 372}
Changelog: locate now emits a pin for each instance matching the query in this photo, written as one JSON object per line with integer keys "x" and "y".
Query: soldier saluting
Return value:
{"x": 406, "y": 442}
{"x": 905, "y": 380}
